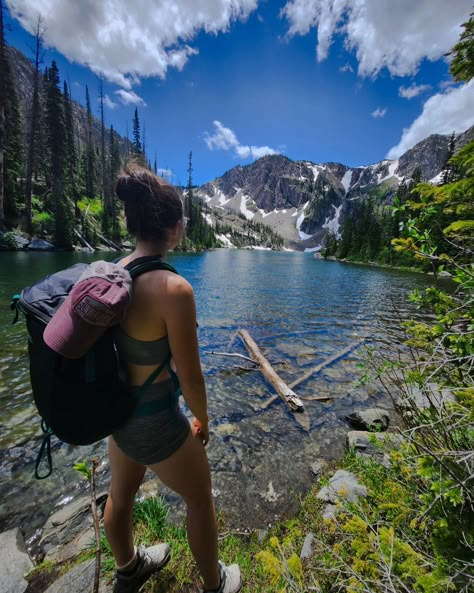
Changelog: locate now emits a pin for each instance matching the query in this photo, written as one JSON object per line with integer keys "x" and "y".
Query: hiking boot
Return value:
{"x": 150, "y": 560}
{"x": 231, "y": 581}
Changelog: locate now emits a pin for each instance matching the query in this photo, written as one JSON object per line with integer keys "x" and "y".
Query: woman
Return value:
{"x": 161, "y": 321}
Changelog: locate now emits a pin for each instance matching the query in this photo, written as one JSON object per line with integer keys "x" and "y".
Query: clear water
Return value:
{"x": 299, "y": 310}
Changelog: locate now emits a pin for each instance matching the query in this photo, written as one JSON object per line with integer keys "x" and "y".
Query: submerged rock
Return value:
{"x": 14, "y": 562}
{"x": 373, "y": 419}
{"x": 40, "y": 245}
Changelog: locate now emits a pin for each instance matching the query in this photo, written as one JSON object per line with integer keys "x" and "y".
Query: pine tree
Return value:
{"x": 90, "y": 152}
{"x": 3, "y": 89}
{"x": 462, "y": 65}
{"x": 449, "y": 172}
{"x": 33, "y": 126}
{"x": 115, "y": 163}
{"x": 106, "y": 206}
{"x": 11, "y": 148}
{"x": 137, "y": 145}
{"x": 70, "y": 145}
{"x": 57, "y": 153}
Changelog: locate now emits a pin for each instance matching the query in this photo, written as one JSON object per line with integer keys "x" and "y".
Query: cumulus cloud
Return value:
{"x": 379, "y": 113}
{"x": 408, "y": 92}
{"x": 130, "y": 98}
{"x": 395, "y": 35}
{"x": 108, "y": 102}
{"x": 124, "y": 41}
{"x": 225, "y": 139}
{"x": 443, "y": 113}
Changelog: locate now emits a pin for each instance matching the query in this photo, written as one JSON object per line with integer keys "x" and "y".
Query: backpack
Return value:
{"x": 83, "y": 400}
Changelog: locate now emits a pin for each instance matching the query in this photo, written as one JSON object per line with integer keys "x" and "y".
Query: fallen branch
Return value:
{"x": 269, "y": 402}
{"x": 323, "y": 398}
{"x": 234, "y": 355}
{"x": 327, "y": 362}
{"x": 78, "y": 234}
{"x": 285, "y": 392}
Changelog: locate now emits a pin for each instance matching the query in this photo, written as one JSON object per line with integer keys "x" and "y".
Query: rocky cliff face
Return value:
{"x": 23, "y": 75}
{"x": 304, "y": 201}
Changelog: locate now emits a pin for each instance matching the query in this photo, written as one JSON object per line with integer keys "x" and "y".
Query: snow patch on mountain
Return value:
{"x": 225, "y": 240}
{"x": 313, "y": 249}
{"x": 299, "y": 222}
{"x": 208, "y": 218}
{"x": 346, "y": 180}
{"x": 243, "y": 207}
{"x": 332, "y": 224}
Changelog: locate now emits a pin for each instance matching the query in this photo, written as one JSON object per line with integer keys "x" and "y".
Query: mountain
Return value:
{"x": 23, "y": 74}
{"x": 303, "y": 201}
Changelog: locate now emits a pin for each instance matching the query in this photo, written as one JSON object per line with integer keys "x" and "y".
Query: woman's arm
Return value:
{"x": 179, "y": 311}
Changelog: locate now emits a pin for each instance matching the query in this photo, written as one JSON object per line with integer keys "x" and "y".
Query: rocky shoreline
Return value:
{"x": 68, "y": 534}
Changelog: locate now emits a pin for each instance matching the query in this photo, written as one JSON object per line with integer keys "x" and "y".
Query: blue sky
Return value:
{"x": 250, "y": 79}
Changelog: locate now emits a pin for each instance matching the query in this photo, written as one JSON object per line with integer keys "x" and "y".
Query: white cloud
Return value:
{"x": 443, "y": 113}
{"x": 130, "y": 97}
{"x": 165, "y": 173}
{"x": 108, "y": 102}
{"x": 396, "y": 35}
{"x": 408, "y": 92}
{"x": 225, "y": 139}
{"x": 125, "y": 41}
{"x": 379, "y": 112}
{"x": 346, "y": 68}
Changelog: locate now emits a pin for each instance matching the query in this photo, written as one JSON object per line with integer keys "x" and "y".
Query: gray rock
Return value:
{"x": 261, "y": 535}
{"x": 445, "y": 274}
{"x": 70, "y": 530}
{"x": 373, "y": 419}
{"x": 307, "y": 549}
{"x": 14, "y": 562}
{"x": 330, "y": 511}
{"x": 40, "y": 245}
{"x": 317, "y": 467}
{"x": 363, "y": 444}
{"x": 21, "y": 241}
{"x": 342, "y": 486}
{"x": 432, "y": 396}
{"x": 78, "y": 580}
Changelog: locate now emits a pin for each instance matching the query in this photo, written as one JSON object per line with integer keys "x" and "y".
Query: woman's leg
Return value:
{"x": 187, "y": 473}
{"x": 127, "y": 475}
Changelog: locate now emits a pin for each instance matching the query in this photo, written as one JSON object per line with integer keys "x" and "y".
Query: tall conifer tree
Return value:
{"x": 57, "y": 155}
{"x": 33, "y": 125}
{"x": 137, "y": 145}
{"x": 90, "y": 153}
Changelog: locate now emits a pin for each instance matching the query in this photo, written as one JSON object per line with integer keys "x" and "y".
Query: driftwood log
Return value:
{"x": 315, "y": 370}
{"x": 285, "y": 392}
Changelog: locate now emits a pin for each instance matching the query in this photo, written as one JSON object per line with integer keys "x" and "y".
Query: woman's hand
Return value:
{"x": 201, "y": 430}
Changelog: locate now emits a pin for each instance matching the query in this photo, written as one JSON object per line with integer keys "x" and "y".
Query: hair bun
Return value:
{"x": 132, "y": 183}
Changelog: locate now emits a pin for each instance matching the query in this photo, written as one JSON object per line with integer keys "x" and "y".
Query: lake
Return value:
{"x": 299, "y": 310}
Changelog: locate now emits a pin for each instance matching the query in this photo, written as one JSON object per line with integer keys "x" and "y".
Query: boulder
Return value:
{"x": 80, "y": 578}
{"x": 20, "y": 241}
{"x": 40, "y": 245}
{"x": 373, "y": 419}
{"x": 363, "y": 444}
{"x": 432, "y": 396}
{"x": 342, "y": 486}
{"x": 70, "y": 530}
{"x": 14, "y": 562}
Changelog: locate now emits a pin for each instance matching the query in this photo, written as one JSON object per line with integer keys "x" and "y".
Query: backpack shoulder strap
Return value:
{"x": 147, "y": 264}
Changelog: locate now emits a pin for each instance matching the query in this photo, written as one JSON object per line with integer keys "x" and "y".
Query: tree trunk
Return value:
{"x": 288, "y": 396}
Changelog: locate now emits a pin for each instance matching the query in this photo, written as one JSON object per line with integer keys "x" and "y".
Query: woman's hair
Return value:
{"x": 152, "y": 206}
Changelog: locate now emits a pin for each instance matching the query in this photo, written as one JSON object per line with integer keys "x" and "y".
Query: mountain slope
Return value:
{"x": 304, "y": 201}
